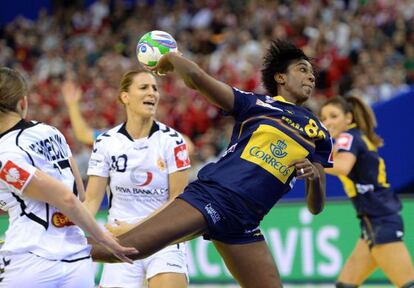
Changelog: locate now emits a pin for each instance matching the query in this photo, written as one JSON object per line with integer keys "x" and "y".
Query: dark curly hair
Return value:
{"x": 277, "y": 59}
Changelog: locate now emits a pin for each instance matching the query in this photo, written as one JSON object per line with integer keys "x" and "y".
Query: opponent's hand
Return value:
{"x": 304, "y": 169}
{"x": 164, "y": 65}
{"x": 121, "y": 252}
{"x": 71, "y": 92}
{"x": 119, "y": 227}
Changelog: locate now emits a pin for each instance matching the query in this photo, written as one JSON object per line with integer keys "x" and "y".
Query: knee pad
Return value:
{"x": 343, "y": 285}
{"x": 408, "y": 285}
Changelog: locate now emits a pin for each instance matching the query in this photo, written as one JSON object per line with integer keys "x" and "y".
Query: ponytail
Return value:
{"x": 365, "y": 119}
{"x": 362, "y": 115}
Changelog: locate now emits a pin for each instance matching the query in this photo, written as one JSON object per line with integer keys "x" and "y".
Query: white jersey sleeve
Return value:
{"x": 15, "y": 172}
{"x": 176, "y": 153}
{"x": 99, "y": 163}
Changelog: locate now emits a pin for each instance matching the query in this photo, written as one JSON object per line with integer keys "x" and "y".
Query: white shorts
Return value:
{"x": 28, "y": 270}
{"x": 171, "y": 259}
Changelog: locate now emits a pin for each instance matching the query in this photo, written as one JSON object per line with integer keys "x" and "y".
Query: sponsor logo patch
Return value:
{"x": 141, "y": 178}
{"x": 14, "y": 175}
{"x": 344, "y": 141}
{"x": 215, "y": 216}
{"x": 60, "y": 220}
{"x": 174, "y": 265}
{"x": 273, "y": 150}
{"x": 181, "y": 156}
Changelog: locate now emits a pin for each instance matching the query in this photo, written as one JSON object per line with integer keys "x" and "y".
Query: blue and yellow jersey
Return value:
{"x": 366, "y": 184}
{"x": 268, "y": 135}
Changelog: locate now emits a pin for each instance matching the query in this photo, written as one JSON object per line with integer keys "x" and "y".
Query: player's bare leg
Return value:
{"x": 177, "y": 222}
{"x": 359, "y": 265}
{"x": 252, "y": 264}
{"x": 394, "y": 259}
{"x": 168, "y": 280}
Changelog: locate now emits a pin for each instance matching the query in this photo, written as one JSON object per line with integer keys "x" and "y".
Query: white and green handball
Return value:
{"x": 153, "y": 45}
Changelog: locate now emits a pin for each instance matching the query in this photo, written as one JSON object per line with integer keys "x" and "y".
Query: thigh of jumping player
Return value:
{"x": 168, "y": 267}
{"x": 175, "y": 223}
{"x": 123, "y": 275}
{"x": 251, "y": 264}
{"x": 235, "y": 232}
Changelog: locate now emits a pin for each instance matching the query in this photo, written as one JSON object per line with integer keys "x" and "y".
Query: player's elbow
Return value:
{"x": 68, "y": 202}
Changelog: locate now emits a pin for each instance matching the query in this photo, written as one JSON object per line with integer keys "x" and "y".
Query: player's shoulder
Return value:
{"x": 352, "y": 133}
{"x": 44, "y": 128}
{"x": 347, "y": 139}
{"x": 252, "y": 96}
{"x": 34, "y": 131}
{"x": 110, "y": 134}
{"x": 6, "y": 149}
{"x": 166, "y": 133}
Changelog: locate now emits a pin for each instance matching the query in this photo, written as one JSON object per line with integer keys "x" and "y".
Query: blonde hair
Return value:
{"x": 362, "y": 116}
{"x": 127, "y": 79}
{"x": 13, "y": 88}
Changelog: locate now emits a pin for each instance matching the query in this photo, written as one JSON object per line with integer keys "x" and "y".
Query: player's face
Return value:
{"x": 335, "y": 119}
{"x": 299, "y": 81}
{"x": 143, "y": 95}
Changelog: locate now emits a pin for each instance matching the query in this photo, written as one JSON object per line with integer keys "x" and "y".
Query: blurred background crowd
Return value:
{"x": 360, "y": 47}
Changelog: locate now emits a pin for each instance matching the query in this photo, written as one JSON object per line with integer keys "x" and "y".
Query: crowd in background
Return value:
{"x": 360, "y": 47}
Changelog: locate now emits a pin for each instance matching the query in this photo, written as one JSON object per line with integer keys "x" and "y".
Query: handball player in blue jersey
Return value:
{"x": 275, "y": 141}
{"x": 362, "y": 172}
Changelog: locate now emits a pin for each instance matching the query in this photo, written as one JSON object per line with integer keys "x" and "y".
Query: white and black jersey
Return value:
{"x": 35, "y": 226}
{"x": 137, "y": 169}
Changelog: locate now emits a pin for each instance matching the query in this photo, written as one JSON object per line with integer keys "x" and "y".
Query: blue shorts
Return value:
{"x": 228, "y": 219}
{"x": 382, "y": 230}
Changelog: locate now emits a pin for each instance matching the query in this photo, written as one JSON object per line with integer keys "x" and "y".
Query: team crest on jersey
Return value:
{"x": 181, "y": 156}
{"x": 273, "y": 155}
{"x": 14, "y": 175}
{"x": 60, "y": 220}
{"x": 344, "y": 141}
{"x": 161, "y": 164}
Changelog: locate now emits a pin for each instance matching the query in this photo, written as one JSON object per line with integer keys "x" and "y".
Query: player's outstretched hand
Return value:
{"x": 71, "y": 92}
{"x": 121, "y": 252}
{"x": 119, "y": 227}
{"x": 304, "y": 169}
{"x": 164, "y": 65}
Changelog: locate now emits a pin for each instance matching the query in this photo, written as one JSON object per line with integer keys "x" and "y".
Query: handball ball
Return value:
{"x": 153, "y": 45}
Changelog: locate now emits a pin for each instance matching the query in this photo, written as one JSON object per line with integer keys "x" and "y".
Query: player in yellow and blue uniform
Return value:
{"x": 274, "y": 142}
{"x": 362, "y": 172}
{"x": 269, "y": 134}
